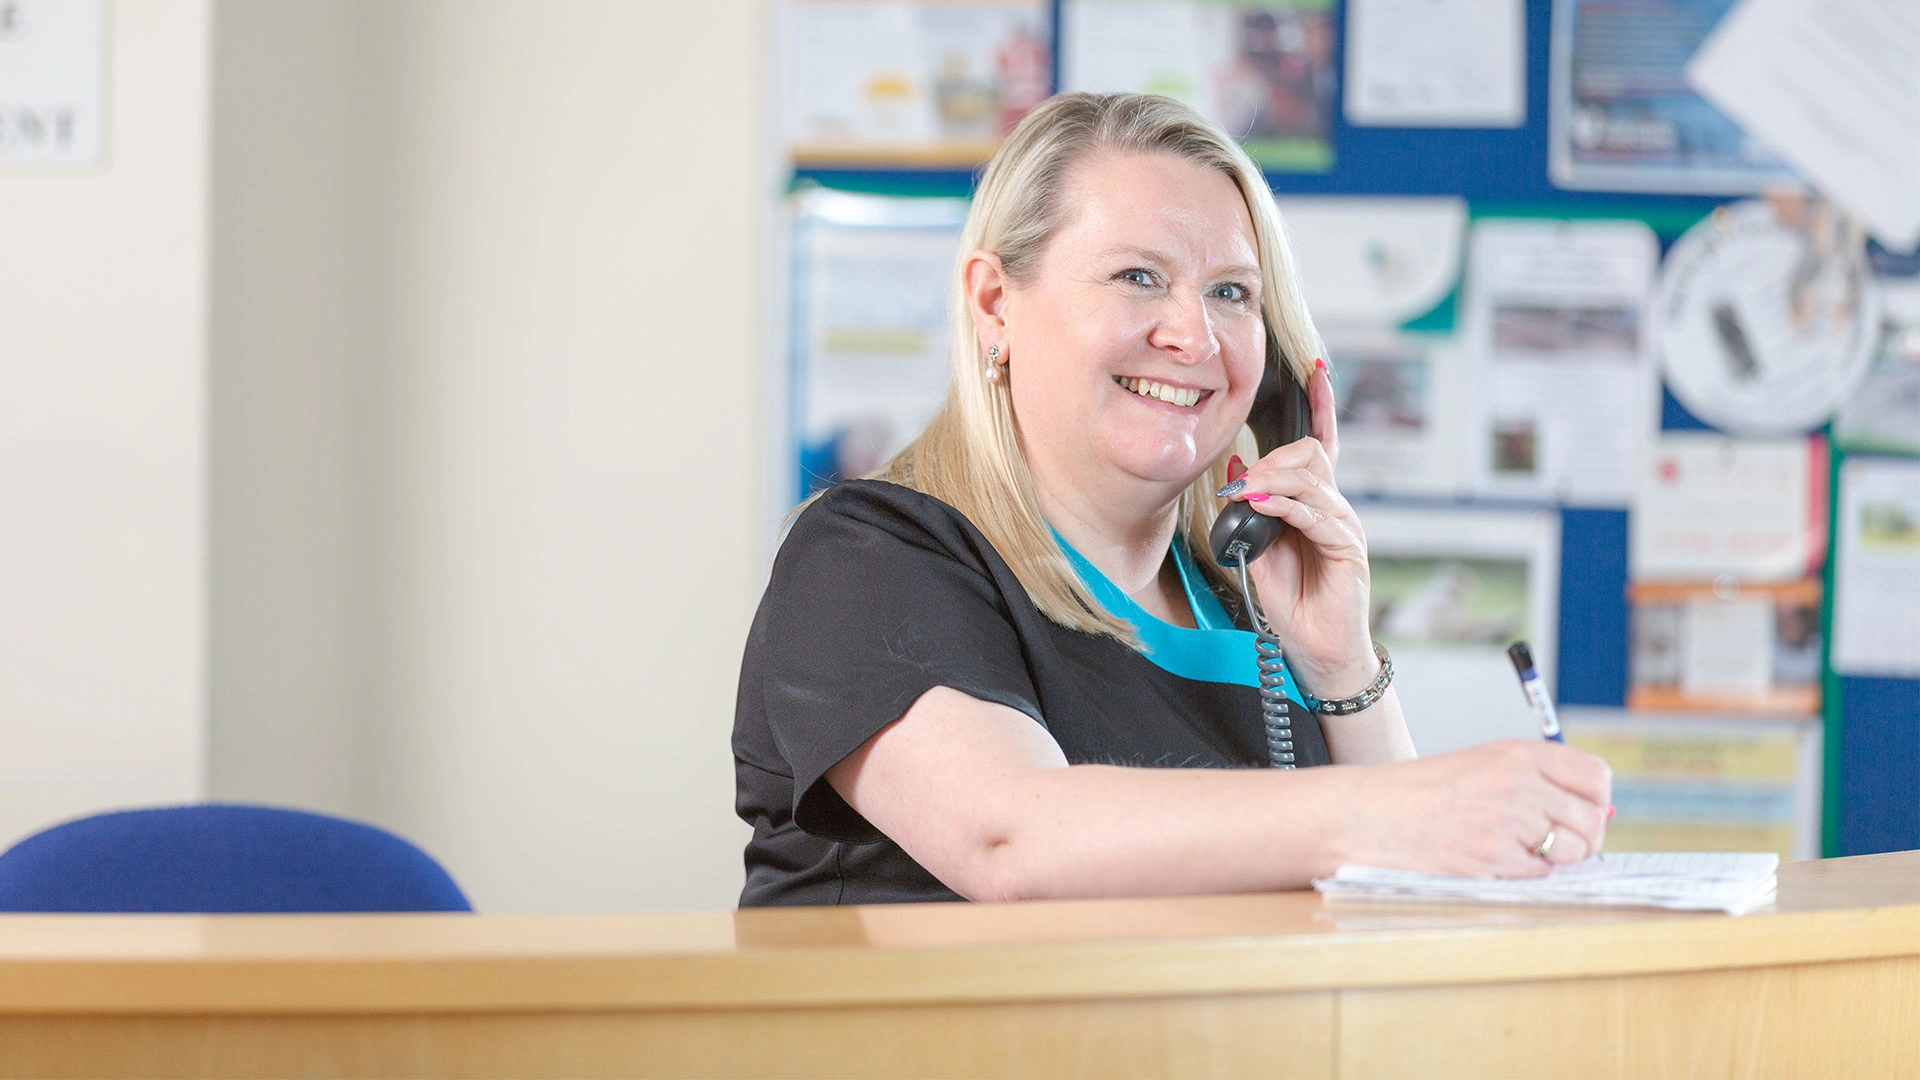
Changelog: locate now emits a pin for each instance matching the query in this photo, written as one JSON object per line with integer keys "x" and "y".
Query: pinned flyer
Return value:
{"x": 1565, "y": 396}
{"x": 1261, "y": 69}
{"x": 1725, "y": 646}
{"x": 1876, "y": 609}
{"x": 1710, "y": 506}
{"x": 1436, "y": 63}
{"x": 891, "y": 82}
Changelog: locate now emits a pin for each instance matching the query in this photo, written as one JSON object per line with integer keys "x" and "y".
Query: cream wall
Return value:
{"x": 103, "y": 295}
{"x": 377, "y": 429}
{"x": 486, "y": 529}
{"x": 565, "y": 209}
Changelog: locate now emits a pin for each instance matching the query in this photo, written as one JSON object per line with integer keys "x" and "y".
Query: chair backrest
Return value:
{"x": 221, "y": 857}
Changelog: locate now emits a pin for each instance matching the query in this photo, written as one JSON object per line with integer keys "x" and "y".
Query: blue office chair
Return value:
{"x": 217, "y": 857}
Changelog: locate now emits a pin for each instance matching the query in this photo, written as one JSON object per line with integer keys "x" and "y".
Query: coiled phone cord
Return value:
{"x": 1275, "y": 711}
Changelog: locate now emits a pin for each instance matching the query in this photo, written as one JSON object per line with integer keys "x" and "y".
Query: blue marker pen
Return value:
{"x": 1536, "y": 690}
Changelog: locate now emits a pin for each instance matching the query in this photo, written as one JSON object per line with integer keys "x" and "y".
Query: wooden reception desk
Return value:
{"x": 1825, "y": 983}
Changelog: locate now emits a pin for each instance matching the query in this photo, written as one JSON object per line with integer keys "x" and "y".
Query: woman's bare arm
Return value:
{"x": 982, "y": 796}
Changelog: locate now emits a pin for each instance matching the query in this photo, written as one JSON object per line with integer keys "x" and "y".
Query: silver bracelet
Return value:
{"x": 1365, "y": 698}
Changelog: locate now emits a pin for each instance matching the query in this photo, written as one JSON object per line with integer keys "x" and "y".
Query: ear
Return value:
{"x": 986, "y": 282}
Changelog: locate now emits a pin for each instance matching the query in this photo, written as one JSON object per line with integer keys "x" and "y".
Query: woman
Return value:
{"x": 997, "y": 670}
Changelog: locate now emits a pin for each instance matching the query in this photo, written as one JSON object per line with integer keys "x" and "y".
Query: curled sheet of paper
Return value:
{"x": 1835, "y": 90}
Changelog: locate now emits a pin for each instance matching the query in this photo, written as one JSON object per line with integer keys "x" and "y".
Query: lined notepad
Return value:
{"x": 1734, "y": 882}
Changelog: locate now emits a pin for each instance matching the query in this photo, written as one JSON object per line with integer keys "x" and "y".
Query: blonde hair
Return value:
{"x": 969, "y": 456}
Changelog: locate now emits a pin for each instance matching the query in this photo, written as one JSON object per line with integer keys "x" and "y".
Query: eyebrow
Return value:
{"x": 1150, "y": 255}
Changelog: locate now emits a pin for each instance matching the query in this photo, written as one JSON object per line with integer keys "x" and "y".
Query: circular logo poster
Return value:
{"x": 1764, "y": 320}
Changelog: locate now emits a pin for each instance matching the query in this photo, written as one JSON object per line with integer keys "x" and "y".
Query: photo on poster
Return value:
{"x": 1397, "y": 402}
{"x": 1388, "y": 394}
{"x": 908, "y": 82}
{"x": 1449, "y": 601}
{"x": 1452, "y": 589}
{"x": 1550, "y": 332}
{"x": 1621, "y": 116}
{"x": 1515, "y": 450}
{"x": 1261, "y": 69}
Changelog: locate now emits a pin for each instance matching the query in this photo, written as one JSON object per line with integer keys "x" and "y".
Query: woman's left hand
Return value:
{"x": 1313, "y": 582}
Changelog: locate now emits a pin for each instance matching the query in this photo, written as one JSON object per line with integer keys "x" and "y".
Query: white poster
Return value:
{"x": 1709, "y": 505}
{"x": 1451, "y": 590}
{"x": 1553, "y": 320}
{"x": 1834, "y": 88}
{"x": 1436, "y": 63}
{"x": 1765, "y": 317}
{"x": 51, "y": 92}
{"x": 1876, "y": 586}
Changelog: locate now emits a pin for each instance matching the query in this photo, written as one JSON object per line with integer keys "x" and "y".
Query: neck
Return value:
{"x": 1123, "y": 527}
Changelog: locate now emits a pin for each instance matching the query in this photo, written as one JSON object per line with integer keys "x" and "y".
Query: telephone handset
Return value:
{"x": 1240, "y": 534}
{"x": 1281, "y": 415}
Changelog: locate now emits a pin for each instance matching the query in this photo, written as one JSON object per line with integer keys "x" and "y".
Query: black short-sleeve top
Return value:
{"x": 880, "y": 593}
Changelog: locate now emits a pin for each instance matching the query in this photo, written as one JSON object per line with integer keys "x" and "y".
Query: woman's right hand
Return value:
{"x": 1480, "y": 812}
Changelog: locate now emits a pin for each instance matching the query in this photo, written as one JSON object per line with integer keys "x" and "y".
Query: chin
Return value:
{"x": 1178, "y": 462}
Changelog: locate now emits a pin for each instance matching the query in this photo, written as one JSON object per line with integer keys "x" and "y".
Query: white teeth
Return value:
{"x": 1161, "y": 392}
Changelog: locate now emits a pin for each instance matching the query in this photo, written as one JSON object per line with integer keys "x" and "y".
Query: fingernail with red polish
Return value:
{"x": 1320, "y": 363}
{"x": 1609, "y": 811}
{"x": 1235, "y": 467}
{"x": 1257, "y": 497}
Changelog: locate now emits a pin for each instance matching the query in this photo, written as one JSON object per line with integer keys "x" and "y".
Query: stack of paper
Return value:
{"x": 1733, "y": 882}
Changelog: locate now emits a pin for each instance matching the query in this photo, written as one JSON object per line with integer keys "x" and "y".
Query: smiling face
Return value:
{"x": 1137, "y": 343}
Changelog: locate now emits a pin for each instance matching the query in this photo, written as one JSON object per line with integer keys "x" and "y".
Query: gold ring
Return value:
{"x": 1546, "y": 845}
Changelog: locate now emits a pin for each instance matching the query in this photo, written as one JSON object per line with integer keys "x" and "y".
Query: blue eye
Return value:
{"x": 1137, "y": 276}
{"x": 1229, "y": 290}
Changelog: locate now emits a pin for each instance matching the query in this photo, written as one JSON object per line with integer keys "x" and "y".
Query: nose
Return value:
{"x": 1185, "y": 329}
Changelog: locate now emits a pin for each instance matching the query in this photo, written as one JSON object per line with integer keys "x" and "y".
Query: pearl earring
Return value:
{"x": 993, "y": 364}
